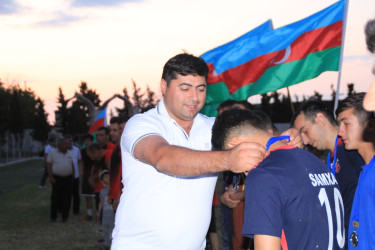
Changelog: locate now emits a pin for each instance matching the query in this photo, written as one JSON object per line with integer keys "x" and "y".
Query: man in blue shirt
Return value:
{"x": 291, "y": 199}
{"x": 357, "y": 129}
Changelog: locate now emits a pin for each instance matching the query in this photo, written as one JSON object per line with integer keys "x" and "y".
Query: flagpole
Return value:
{"x": 341, "y": 55}
{"x": 290, "y": 100}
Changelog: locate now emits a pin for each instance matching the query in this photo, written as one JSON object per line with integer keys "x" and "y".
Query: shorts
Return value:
{"x": 87, "y": 190}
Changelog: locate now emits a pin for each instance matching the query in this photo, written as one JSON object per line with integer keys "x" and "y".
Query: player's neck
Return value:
{"x": 275, "y": 145}
{"x": 331, "y": 138}
{"x": 367, "y": 151}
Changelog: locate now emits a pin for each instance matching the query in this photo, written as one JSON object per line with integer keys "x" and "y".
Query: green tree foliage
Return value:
{"x": 142, "y": 101}
{"x": 62, "y": 113}
{"x": 41, "y": 127}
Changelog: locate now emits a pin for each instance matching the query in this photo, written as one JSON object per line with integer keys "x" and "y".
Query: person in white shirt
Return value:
{"x": 169, "y": 172}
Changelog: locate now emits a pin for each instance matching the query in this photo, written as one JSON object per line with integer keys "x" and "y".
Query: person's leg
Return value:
{"x": 226, "y": 227}
{"x": 42, "y": 183}
{"x": 75, "y": 194}
{"x": 66, "y": 196}
{"x": 54, "y": 202}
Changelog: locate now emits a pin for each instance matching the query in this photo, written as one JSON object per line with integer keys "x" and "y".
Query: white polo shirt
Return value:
{"x": 157, "y": 210}
{"x": 61, "y": 162}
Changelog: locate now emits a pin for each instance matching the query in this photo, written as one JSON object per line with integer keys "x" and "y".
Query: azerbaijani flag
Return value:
{"x": 276, "y": 59}
{"x": 100, "y": 121}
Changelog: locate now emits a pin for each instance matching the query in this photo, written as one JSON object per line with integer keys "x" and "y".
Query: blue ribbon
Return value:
{"x": 332, "y": 165}
{"x": 272, "y": 140}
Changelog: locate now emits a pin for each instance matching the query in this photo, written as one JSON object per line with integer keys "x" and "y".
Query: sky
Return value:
{"x": 48, "y": 44}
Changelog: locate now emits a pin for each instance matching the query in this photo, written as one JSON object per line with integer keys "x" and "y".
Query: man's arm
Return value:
{"x": 180, "y": 161}
{"x": 266, "y": 242}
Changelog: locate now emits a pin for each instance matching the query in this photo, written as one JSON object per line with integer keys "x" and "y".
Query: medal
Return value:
{"x": 353, "y": 235}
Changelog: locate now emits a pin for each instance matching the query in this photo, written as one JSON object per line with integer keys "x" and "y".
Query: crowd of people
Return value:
{"x": 154, "y": 179}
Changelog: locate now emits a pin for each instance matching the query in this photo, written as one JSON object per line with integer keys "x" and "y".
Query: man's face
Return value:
{"x": 69, "y": 143}
{"x": 102, "y": 137}
{"x": 311, "y": 132}
{"x": 350, "y": 130}
{"x": 184, "y": 97}
{"x": 114, "y": 132}
{"x": 87, "y": 142}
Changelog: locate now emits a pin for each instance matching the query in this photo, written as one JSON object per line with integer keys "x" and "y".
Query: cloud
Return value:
{"x": 8, "y": 7}
{"x": 60, "y": 19}
{"x": 101, "y": 3}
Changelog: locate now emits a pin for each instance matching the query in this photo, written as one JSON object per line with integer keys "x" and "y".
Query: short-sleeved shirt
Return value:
{"x": 76, "y": 154}
{"x": 364, "y": 207}
{"x": 292, "y": 190}
{"x": 158, "y": 210}
{"x": 61, "y": 162}
{"x": 48, "y": 148}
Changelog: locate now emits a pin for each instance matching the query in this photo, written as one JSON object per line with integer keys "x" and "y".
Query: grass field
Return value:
{"x": 24, "y": 210}
{"x": 24, "y": 214}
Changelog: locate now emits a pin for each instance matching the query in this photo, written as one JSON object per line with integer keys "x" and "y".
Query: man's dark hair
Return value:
{"x": 88, "y": 136}
{"x": 226, "y": 105}
{"x": 184, "y": 64}
{"x": 114, "y": 120}
{"x": 355, "y": 101}
{"x": 311, "y": 108}
{"x": 370, "y": 35}
{"x": 267, "y": 120}
{"x": 103, "y": 129}
{"x": 232, "y": 120}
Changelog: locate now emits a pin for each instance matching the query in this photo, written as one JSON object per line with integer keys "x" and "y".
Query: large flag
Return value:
{"x": 100, "y": 121}
{"x": 276, "y": 59}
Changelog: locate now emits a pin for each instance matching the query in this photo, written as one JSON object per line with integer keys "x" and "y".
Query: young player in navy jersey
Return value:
{"x": 291, "y": 199}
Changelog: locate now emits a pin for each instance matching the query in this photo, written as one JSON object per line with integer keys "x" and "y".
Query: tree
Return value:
{"x": 62, "y": 113}
{"x": 41, "y": 127}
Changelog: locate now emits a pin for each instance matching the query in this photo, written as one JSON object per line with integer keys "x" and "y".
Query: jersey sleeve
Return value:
{"x": 138, "y": 127}
{"x": 263, "y": 205}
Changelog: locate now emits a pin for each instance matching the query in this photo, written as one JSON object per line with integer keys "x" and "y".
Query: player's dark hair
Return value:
{"x": 184, "y": 64}
{"x": 267, "y": 120}
{"x": 231, "y": 120}
{"x": 311, "y": 108}
{"x": 226, "y": 105}
{"x": 370, "y": 35}
{"x": 114, "y": 120}
{"x": 88, "y": 136}
{"x": 105, "y": 129}
{"x": 355, "y": 101}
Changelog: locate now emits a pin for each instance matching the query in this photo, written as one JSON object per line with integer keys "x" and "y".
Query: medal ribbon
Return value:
{"x": 332, "y": 166}
{"x": 272, "y": 140}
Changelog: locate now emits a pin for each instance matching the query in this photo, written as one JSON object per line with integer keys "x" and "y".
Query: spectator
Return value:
{"x": 87, "y": 164}
{"x": 48, "y": 148}
{"x": 60, "y": 171}
{"x": 76, "y": 154}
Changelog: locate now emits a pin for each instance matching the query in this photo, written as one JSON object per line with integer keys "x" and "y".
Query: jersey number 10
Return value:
{"x": 339, "y": 211}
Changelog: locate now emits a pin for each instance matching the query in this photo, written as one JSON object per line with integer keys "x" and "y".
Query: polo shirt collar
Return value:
{"x": 162, "y": 110}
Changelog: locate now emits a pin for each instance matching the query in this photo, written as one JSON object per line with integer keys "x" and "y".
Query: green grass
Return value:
{"x": 24, "y": 214}
{"x": 24, "y": 210}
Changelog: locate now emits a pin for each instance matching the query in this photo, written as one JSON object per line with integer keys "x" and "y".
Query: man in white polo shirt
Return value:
{"x": 168, "y": 168}
{"x": 60, "y": 172}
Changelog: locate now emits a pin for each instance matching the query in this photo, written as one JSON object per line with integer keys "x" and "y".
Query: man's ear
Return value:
{"x": 163, "y": 86}
{"x": 320, "y": 119}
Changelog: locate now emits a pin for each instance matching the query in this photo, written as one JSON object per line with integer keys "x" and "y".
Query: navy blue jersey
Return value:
{"x": 292, "y": 190}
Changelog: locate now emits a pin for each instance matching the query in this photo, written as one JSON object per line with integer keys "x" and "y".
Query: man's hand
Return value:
{"x": 295, "y": 137}
{"x": 227, "y": 200}
{"x": 245, "y": 156}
